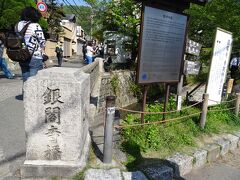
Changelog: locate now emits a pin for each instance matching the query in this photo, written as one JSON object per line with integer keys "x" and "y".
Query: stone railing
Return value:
{"x": 94, "y": 69}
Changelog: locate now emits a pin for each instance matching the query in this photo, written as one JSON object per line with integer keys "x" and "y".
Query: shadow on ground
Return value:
{"x": 149, "y": 165}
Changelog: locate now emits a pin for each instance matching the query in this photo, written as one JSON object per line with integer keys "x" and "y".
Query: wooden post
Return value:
{"x": 166, "y": 100}
{"x": 204, "y": 110}
{"x": 179, "y": 91}
{"x": 237, "y": 103}
{"x": 229, "y": 87}
{"x": 144, "y": 102}
{"x": 108, "y": 129}
{"x": 187, "y": 95}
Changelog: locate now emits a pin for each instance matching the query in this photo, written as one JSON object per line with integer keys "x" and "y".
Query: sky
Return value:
{"x": 78, "y": 2}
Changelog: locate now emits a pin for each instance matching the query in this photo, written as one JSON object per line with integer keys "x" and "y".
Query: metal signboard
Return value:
{"x": 192, "y": 67}
{"x": 219, "y": 65}
{"x": 193, "y": 47}
{"x": 162, "y": 43}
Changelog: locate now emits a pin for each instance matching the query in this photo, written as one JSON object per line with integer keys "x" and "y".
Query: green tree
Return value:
{"x": 10, "y": 12}
{"x": 56, "y": 12}
{"x": 120, "y": 16}
{"x": 83, "y": 16}
{"x": 218, "y": 13}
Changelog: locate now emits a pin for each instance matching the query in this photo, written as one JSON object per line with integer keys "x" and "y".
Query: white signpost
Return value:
{"x": 219, "y": 65}
{"x": 162, "y": 46}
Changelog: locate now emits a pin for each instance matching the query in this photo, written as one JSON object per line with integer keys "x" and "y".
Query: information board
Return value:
{"x": 219, "y": 65}
{"x": 192, "y": 67}
{"x": 162, "y": 46}
{"x": 193, "y": 47}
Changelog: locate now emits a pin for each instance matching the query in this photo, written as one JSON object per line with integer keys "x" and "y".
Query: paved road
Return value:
{"x": 226, "y": 168}
{"x": 12, "y": 134}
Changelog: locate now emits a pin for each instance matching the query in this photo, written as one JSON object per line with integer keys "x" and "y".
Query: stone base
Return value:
{"x": 213, "y": 152}
{"x": 57, "y": 168}
{"x": 32, "y": 170}
{"x": 181, "y": 164}
{"x": 200, "y": 158}
{"x": 233, "y": 141}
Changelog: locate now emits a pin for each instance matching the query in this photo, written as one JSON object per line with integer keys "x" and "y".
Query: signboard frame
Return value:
{"x": 211, "y": 100}
{"x": 181, "y": 61}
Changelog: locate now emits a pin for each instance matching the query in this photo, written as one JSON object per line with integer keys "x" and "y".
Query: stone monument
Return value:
{"x": 56, "y": 102}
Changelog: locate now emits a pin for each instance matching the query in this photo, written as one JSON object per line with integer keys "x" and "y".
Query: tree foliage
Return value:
{"x": 10, "y": 11}
{"x": 218, "y": 13}
{"x": 56, "y": 13}
{"x": 122, "y": 17}
{"x": 83, "y": 16}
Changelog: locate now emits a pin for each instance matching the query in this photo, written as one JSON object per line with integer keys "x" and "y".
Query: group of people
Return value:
{"x": 91, "y": 50}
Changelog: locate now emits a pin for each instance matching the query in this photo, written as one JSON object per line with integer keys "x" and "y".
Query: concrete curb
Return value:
{"x": 179, "y": 164}
{"x": 184, "y": 164}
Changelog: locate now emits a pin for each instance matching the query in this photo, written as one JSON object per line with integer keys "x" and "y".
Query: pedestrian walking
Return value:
{"x": 35, "y": 41}
{"x": 101, "y": 50}
{"x": 3, "y": 63}
{"x": 59, "y": 54}
{"x": 90, "y": 53}
{"x": 234, "y": 64}
{"x": 84, "y": 50}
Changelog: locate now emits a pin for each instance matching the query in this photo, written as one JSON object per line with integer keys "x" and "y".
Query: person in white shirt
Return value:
{"x": 90, "y": 53}
{"x": 35, "y": 41}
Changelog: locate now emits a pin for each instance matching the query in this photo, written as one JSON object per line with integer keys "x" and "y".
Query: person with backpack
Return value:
{"x": 3, "y": 63}
{"x": 34, "y": 42}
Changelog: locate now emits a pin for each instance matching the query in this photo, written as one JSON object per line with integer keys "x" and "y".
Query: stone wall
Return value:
{"x": 101, "y": 87}
{"x": 94, "y": 70}
{"x": 124, "y": 95}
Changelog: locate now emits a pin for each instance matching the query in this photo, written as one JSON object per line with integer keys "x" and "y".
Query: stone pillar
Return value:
{"x": 56, "y": 102}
